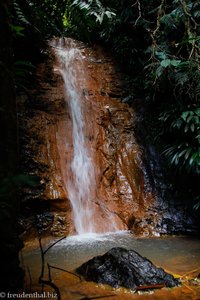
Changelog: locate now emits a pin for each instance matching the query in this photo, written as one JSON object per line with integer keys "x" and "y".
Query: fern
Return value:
{"x": 94, "y": 8}
{"x": 20, "y": 17}
{"x": 187, "y": 157}
{"x": 181, "y": 78}
{"x": 197, "y": 90}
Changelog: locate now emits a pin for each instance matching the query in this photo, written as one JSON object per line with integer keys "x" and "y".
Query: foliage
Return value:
{"x": 45, "y": 17}
{"x": 32, "y": 23}
{"x": 93, "y": 8}
{"x": 19, "y": 22}
{"x": 156, "y": 42}
{"x": 185, "y": 151}
{"x": 174, "y": 73}
{"x": 87, "y": 17}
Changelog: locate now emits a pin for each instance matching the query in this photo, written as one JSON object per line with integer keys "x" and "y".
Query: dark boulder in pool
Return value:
{"x": 127, "y": 268}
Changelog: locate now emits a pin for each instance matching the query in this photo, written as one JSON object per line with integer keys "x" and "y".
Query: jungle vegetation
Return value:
{"x": 156, "y": 43}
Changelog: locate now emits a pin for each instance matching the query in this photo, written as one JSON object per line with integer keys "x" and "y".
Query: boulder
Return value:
{"x": 127, "y": 268}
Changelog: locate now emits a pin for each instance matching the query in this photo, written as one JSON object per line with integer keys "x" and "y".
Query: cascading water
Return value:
{"x": 82, "y": 180}
{"x": 99, "y": 158}
{"x": 81, "y": 183}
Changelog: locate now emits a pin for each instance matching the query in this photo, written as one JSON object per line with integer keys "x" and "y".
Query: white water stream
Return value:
{"x": 81, "y": 184}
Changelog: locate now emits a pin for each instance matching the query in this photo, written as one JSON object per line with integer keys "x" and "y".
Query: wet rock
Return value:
{"x": 60, "y": 224}
{"x": 47, "y": 148}
{"x": 129, "y": 190}
{"x": 42, "y": 120}
{"x": 121, "y": 267}
{"x": 44, "y": 221}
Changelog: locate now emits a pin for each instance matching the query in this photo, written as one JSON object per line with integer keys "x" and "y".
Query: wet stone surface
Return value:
{"x": 127, "y": 191}
{"x": 122, "y": 267}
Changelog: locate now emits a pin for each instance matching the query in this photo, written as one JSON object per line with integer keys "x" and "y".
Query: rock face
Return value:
{"x": 43, "y": 119}
{"x": 123, "y": 191}
{"x": 127, "y": 268}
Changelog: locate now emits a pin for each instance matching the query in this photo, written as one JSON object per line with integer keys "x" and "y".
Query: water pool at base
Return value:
{"x": 179, "y": 255}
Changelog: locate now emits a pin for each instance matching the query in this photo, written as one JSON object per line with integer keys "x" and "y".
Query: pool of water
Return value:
{"x": 177, "y": 254}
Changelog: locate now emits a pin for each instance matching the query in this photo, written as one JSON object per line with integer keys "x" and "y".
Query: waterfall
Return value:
{"x": 86, "y": 153}
{"x": 81, "y": 184}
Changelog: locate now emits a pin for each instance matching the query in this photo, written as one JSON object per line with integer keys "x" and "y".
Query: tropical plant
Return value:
{"x": 157, "y": 45}
{"x": 87, "y": 18}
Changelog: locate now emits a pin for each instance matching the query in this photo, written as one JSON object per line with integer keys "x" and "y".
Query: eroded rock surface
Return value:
{"x": 43, "y": 121}
{"x": 123, "y": 192}
{"x": 122, "y": 267}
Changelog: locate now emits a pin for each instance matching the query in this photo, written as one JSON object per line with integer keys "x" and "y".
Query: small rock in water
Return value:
{"x": 127, "y": 268}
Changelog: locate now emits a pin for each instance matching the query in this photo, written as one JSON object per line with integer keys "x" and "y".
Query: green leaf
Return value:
{"x": 193, "y": 158}
{"x": 181, "y": 78}
{"x": 165, "y": 63}
{"x": 170, "y": 62}
{"x": 175, "y": 62}
{"x": 161, "y": 55}
{"x": 185, "y": 114}
{"x": 188, "y": 153}
{"x": 18, "y": 30}
{"x": 192, "y": 127}
{"x": 197, "y": 206}
{"x": 24, "y": 63}
{"x": 159, "y": 71}
{"x": 197, "y": 111}
{"x": 177, "y": 123}
{"x": 182, "y": 152}
{"x": 186, "y": 127}
{"x": 109, "y": 14}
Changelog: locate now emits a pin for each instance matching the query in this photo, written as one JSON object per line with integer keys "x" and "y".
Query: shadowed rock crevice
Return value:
{"x": 127, "y": 268}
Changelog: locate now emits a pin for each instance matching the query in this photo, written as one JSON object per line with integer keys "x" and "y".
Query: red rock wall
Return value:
{"x": 121, "y": 190}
